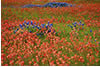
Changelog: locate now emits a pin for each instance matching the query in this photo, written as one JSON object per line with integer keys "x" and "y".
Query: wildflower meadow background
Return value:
{"x": 50, "y": 36}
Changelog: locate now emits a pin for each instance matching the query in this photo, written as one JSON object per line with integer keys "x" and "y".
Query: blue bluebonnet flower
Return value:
{"x": 90, "y": 30}
{"x": 46, "y": 26}
{"x": 79, "y": 23}
{"x": 17, "y": 29}
{"x": 27, "y": 23}
{"x": 71, "y": 26}
{"x": 24, "y": 21}
{"x": 51, "y": 4}
{"x": 51, "y": 25}
{"x": 23, "y": 24}
{"x": 75, "y": 22}
{"x": 53, "y": 31}
{"x": 74, "y": 25}
{"x": 31, "y": 23}
{"x": 70, "y": 5}
{"x": 48, "y": 22}
{"x": 42, "y": 25}
{"x": 30, "y": 31}
{"x": 82, "y": 24}
{"x": 20, "y": 25}
{"x": 38, "y": 27}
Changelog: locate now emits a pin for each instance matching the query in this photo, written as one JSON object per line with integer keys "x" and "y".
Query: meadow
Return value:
{"x": 62, "y": 36}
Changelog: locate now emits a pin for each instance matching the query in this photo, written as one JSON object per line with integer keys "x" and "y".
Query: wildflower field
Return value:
{"x": 45, "y": 36}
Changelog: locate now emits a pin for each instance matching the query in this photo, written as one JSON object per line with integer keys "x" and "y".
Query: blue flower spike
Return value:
{"x": 20, "y": 25}
{"x": 48, "y": 22}
{"x": 24, "y": 21}
{"x": 30, "y": 31}
{"x": 71, "y": 5}
{"x": 38, "y": 27}
{"x": 71, "y": 26}
{"x": 74, "y": 25}
{"x": 51, "y": 25}
{"x": 90, "y": 30}
{"x": 46, "y": 26}
{"x": 17, "y": 29}
{"x": 31, "y": 23}
{"x": 82, "y": 24}
{"x": 75, "y": 22}
{"x": 27, "y": 23}
{"x": 23, "y": 24}
{"x": 42, "y": 25}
